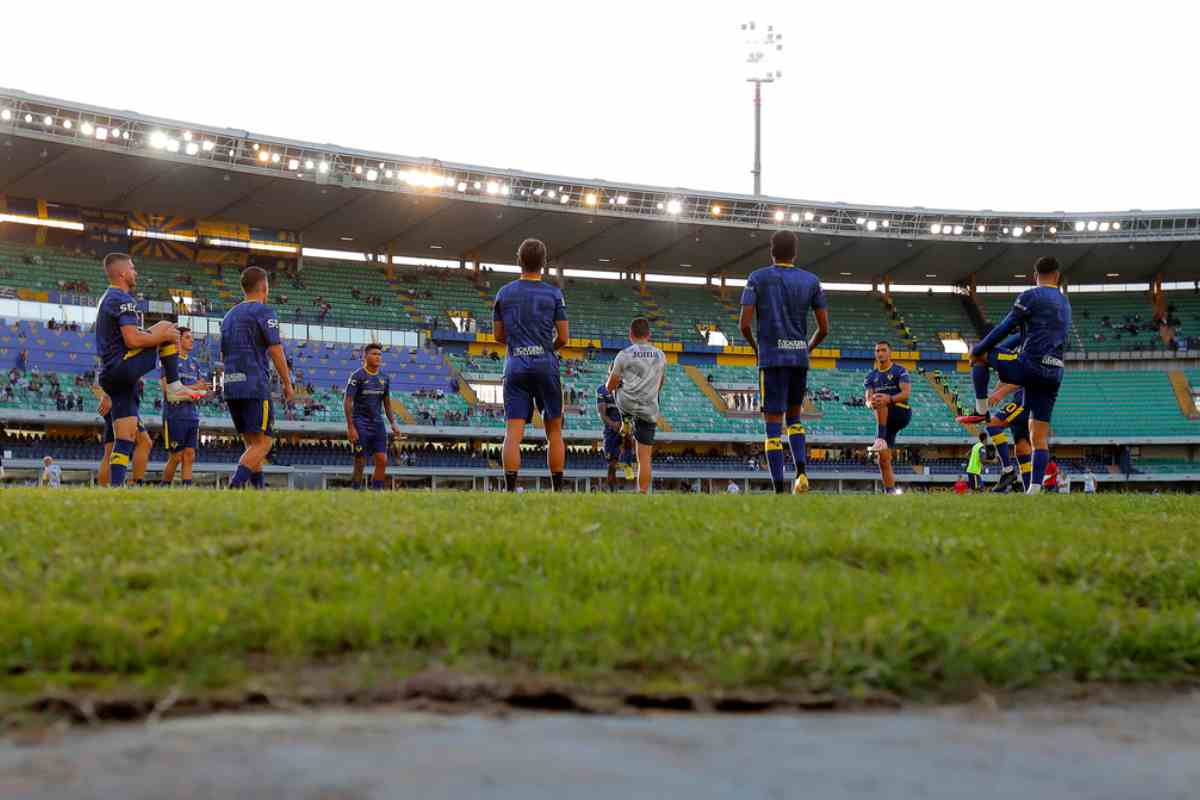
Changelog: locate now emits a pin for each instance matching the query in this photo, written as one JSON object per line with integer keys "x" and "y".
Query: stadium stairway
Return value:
{"x": 706, "y": 389}
{"x": 1183, "y": 393}
{"x": 898, "y": 323}
{"x": 659, "y": 321}
{"x": 944, "y": 393}
{"x": 402, "y": 410}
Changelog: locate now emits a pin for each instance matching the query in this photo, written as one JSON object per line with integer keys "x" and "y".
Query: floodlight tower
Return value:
{"x": 761, "y": 46}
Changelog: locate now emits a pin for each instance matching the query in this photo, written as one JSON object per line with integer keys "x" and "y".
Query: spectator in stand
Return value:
{"x": 23, "y": 360}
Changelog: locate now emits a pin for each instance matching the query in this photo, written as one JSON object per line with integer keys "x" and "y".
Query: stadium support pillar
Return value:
{"x": 887, "y": 288}
{"x": 971, "y": 286}
{"x": 389, "y": 268}
{"x": 642, "y": 275}
{"x": 723, "y": 287}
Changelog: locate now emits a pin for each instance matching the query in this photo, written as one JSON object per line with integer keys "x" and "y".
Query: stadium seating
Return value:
{"x": 927, "y": 315}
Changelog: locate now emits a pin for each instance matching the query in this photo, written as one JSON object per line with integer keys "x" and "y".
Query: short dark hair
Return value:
{"x": 531, "y": 255}
{"x": 982, "y": 436}
{"x": 252, "y": 278}
{"x": 1045, "y": 265}
{"x": 372, "y": 346}
{"x": 115, "y": 258}
{"x": 639, "y": 328}
{"x": 884, "y": 341}
{"x": 784, "y": 246}
{"x": 184, "y": 329}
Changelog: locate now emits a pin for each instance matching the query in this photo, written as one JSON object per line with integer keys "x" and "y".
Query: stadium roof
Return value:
{"x": 345, "y": 199}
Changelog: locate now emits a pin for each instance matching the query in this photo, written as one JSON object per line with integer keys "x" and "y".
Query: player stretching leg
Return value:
{"x": 530, "y": 319}
{"x": 1043, "y": 315}
{"x": 181, "y": 421}
{"x": 778, "y": 298}
{"x": 126, "y": 354}
{"x": 249, "y": 337}
{"x": 367, "y": 405}
{"x": 618, "y": 444}
{"x": 141, "y": 448}
{"x": 637, "y": 377}
{"x": 888, "y": 388}
{"x": 1014, "y": 417}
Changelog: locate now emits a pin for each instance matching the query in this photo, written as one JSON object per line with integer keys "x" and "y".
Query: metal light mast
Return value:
{"x": 760, "y": 48}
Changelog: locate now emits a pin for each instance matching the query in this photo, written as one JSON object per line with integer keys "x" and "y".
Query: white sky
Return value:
{"x": 1029, "y": 106}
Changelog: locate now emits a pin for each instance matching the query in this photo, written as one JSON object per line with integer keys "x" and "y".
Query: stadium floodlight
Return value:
{"x": 1079, "y": 226}
{"x": 887, "y": 223}
{"x": 808, "y": 216}
{"x": 256, "y": 146}
{"x": 1116, "y": 226}
{"x": 504, "y": 189}
{"x": 207, "y": 145}
{"x": 1104, "y": 227}
{"x": 824, "y": 220}
{"x": 67, "y": 124}
{"x": 493, "y": 187}
{"x": 1017, "y": 232}
{"x": 872, "y": 225}
{"x": 716, "y": 211}
{"x": 308, "y": 163}
{"x": 982, "y": 228}
{"x": 674, "y": 206}
{"x": 958, "y": 229}
{"x": 550, "y": 194}
{"x": 87, "y": 129}
{"x": 5, "y": 114}
{"x": 1112, "y": 274}
{"x": 372, "y": 174}
{"x": 795, "y": 217}
{"x": 172, "y": 145}
{"x": 388, "y": 174}
{"x": 293, "y": 164}
{"x": 1004, "y": 231}
{"x": 563, "y": 199}
{"x": 264, "y": 156}
{"x": 477, "y": 185}
{"x": 358, "y": 170}
{"x": 187, "y": 136}
{"x": 124, "y": 134}
{"x": 760, "y": 48}
{"x": 102, "y": 133}
{"x": 323, "y": 166}
{"x": 41, "y": 222}
{"x": 660, "y": 206}
{"x": 47, "y": 120}
{"x": 192, "y": 148}
{"x": 1092, "y": 225}
{"x": 930, "y": 275}
{"x": 1029, "y": 229}
{"x": 274, "y": 158}
{"x": 29, "y": 119}
{"x": 462, "y": 186}
{"x": 589, "y": 199}
{"x": 158, "y": 140}
{"x": 779, "y": 216}
{"x": 935, "y": 228}
{"x": 622, "y": 199}
{"x": 538, "y": 192}
{"x": 860, "y": 220}
{"x": 1053, "y": 230}
{"x": 449, "y": 181}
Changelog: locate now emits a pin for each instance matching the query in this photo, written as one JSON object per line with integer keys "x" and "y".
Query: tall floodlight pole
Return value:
{"x": 760, "y": 48}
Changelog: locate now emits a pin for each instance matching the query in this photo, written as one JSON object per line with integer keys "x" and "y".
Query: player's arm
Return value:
{"x": 275, "y": 351}
{"x": 348, "y": 410}
{"x": 905, "y": 391}
{"x": 1000, "y": 392}
{"x": 1018, "y": 314}
{"x": 822, "y": 316}
{"x": 102, "y": 396}
{"x": 498, "y": 332}
{"x": 387, "y": 408}
{"x": 561, "y": 331}
{"x": 746, "y": 325}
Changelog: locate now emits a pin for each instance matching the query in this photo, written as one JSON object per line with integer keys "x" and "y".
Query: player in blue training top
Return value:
{"x": 181, "y": 421}
{"x": 1013, "y": 415}
{"x": 249, "y": 343}
{"x": 779, "y": 298}
{"x": 126, "y": 354}
{"x": 888, "y": 389}
{"x": 618, "y": 443}
{"x": 530, "y": 318}
{"x": 141, "y": 448}
{"x": 368, "y": 409}
{"x": 1043, "y": 317}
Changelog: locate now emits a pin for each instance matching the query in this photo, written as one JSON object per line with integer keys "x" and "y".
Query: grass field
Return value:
{"x": 921, "y": 597}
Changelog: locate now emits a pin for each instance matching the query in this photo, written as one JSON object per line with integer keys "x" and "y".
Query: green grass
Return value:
{"x": 919, "y": 596}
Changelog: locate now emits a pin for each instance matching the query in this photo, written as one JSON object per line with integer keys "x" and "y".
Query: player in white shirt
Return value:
{"x": 51, "y": 473}
{"x": 636, "y": 378}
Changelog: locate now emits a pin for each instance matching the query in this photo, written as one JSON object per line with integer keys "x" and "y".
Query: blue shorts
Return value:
{"x": 372, "y": 439}
{"x": 121, "y": 381}
{"x": 255, "y": 415}
{"x": 614, "y": 447}
{"x": 1015, "y": 417}
{"x": 110, "y": 436}
{"x": 1041, "y": 384}
{"x": 526, "y": 389}
{"x": 898, "y": 419}
{"x": 781, "y": 387}
{"x": 181, "y": 434}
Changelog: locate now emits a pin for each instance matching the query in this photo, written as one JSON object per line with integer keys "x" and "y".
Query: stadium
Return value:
{"x": 474, "y": 630}
{"x": 373, "y": 247}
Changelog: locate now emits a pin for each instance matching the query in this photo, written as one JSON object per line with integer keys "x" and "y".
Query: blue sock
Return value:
{"x": 1000, "y": 440}
{"x": 186, "y": 483}
{"x": 118, "y": 465}
{"x": 168, "y": 356}
{"x": 774, "y": 448}
{"x": 376, "y": 486}
{"x": 1025, "y": 464}
{"x": 1040, "y": 459}
{"x": 258, "y": 480}
{"x": 880, "y": 431}
{"x": 796, "y": 438}
{"x": 241, "y": 477}
{"x": 980, "y": 373}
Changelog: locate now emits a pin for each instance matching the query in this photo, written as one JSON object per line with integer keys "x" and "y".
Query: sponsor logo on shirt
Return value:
{"x": 272, "y": 323}
{"x": 235, "y": 377}
{"x": 791, "y": 344}
{"x": 130, "y": 307}
{"x": 531, "y": 350}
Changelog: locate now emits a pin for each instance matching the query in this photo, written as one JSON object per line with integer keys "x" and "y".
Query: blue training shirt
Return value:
{"x": 187, "y": 411}
{"x": 246, "y": 332}
{"x": 116, "y": 309}
{"x": 888, "y": 381}
{"x": 1043, "y": 317}
{"x": 529, "y": 309}
{"x": 611, "y": 412}
{"x": 367, "y": 391}
{"x": 782, "y": 296}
